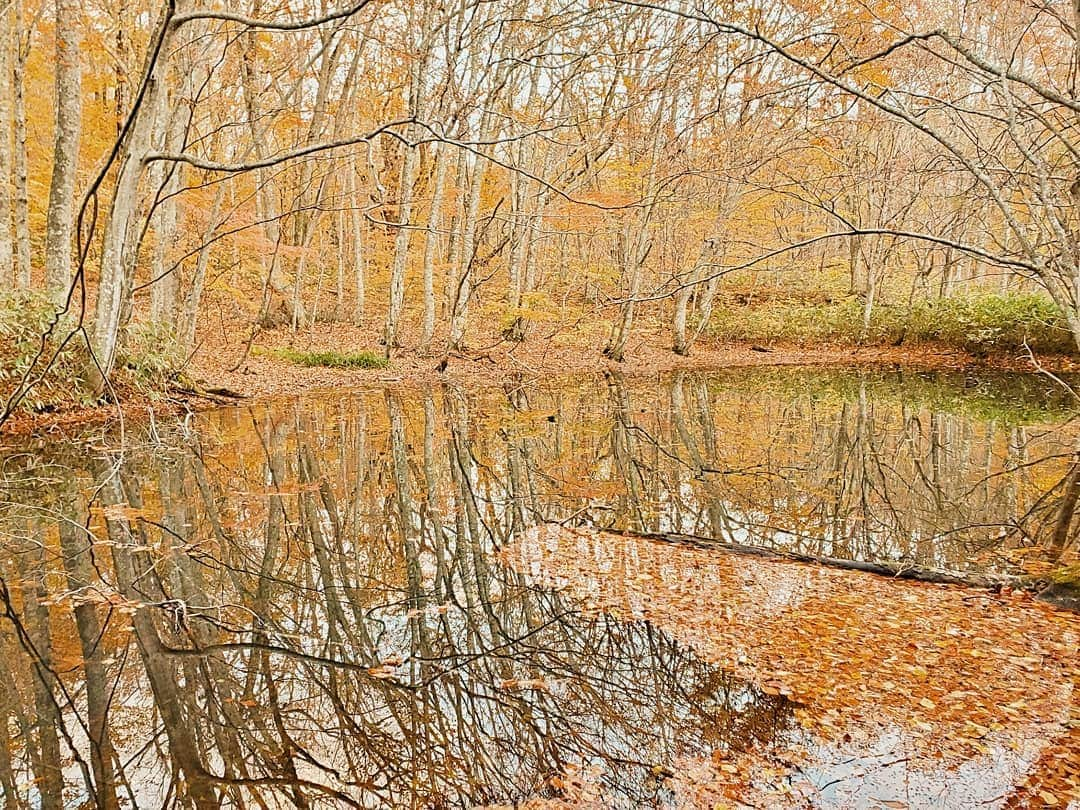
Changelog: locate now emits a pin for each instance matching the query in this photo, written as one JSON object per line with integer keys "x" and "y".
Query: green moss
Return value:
{"x": 333, "y": 359}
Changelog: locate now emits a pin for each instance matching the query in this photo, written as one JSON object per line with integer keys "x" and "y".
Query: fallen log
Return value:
{"x": 1054, "y": 593}
{"x": 217, "y": 395}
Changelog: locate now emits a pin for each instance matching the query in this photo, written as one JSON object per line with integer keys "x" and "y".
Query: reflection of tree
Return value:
{"x": 314, "y": 614}
{"x": 1070, "y": 498}
{"x": 303, "y": 603}
{"x": 855, "y": 479}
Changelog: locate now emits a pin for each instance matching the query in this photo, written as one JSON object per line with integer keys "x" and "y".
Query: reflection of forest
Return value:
{"x": 852, "y": 477}
{"x": 298, "y": 603}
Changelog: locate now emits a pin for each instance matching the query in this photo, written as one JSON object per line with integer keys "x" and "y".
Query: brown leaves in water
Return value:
{"x": 966, "y": 677}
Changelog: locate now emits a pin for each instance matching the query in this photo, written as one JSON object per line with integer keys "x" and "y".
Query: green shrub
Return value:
{"x": 24, "y": 319}
{"x": 332, "y": 359}
{"x": 977, "y": 323}
{"x": 151, "y": 356}
{"x": 993, "y": 322}
{"x": 148, "y": 362}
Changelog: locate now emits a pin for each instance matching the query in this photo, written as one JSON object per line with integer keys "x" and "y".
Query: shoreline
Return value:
{"x": 262, "y": 374}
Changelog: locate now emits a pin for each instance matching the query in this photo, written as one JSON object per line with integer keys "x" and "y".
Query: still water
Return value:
{"x": 302, "y": 602}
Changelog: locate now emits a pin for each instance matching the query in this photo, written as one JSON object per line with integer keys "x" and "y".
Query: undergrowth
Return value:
{"x": 24, "y": 319}
{"x": 151, "y": 357}
{"x": 56, "y": 370}
{"x": 977, "y": 323}
{"x": 332, "y": 359}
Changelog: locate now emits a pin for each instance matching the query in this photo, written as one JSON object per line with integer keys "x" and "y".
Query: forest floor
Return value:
{"x": 492, "y": 360}
{"x": 224, "y": 366}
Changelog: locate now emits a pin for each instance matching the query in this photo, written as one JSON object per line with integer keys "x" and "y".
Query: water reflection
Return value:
{"x": 299, "y": 602}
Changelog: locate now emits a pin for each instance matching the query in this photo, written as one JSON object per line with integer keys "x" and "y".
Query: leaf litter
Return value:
{"x": 908, "y": 694}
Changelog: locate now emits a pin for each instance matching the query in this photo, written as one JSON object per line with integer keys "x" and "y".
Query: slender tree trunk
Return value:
{"x": 266, "y": 200}
{"x": 431, "y": 243}
{"x": 681, "y": 343}
{"x": 339, "y": 255}
{"x": 50, "y": 778}
{"x": 1067, "y": 511}
{"x": 533, "y": 224}
{"x": 60, "y": 219}
{"x": 13, "y": 709}
{"x": 1076, "y": 50}
{"x": 519, "y": 223}
{"x": 164, "y": 288}
{"x": 457, "y": 225}
{"x": 75, "y": 545}
{"x": 299, "y": 317}
{"x": 868, "y": 303}
{"x": 116, "y": 249}
{"x": 189, "y": 319}
{"x": 135, "y": 581}
{"x": 19, "y": 159}
{"x": 401, "y": 245}
{"x": 459, "y": 314}
{"x": 639, "y": 243}
{"x": 8, "y": 42}
{"x": 854, "y": 243}
{"x": 416, "y": 106}
{"x": 8, "y": 789}
{"x": 358, "y": 260}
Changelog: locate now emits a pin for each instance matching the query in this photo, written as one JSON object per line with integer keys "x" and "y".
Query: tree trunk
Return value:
{"x": 1070, "y": 499}
{"x": 164, "y": 279}
{"x": 266, "y": 200}
{"x": 457, "y": 224}
{"x": 75, "y": 545}
{"x": 680, "y": 341}
{"x": 891, "y": 570}
{"x": 190, "y": 317}
{"x": 639, "y": 243}
{"x": 459, "y": 312}
{"x": 431, "y": 243}
{"x": 401, "y": 244}
{"x": 519, "y": 240}
{"x": 7, "y": 244}
{"x": 299, "y": 311}
{"x": 868, "y": 303}
{"x": 50, "y": 778}
{"x": 359, "y": 265}
{"x": 132, "y": 566}
{"x": 116, "y": 248}
{"x": 60, "y": 219}
{"x": 22, "y": 193}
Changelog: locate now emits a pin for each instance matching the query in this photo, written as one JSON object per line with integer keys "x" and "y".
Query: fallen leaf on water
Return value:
{"x": 959, "y": 681}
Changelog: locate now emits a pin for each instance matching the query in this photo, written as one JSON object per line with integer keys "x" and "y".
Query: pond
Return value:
{"x": 403, "y": 597}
